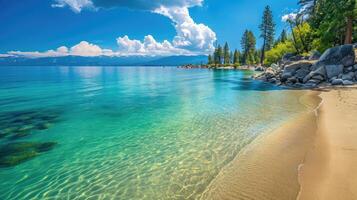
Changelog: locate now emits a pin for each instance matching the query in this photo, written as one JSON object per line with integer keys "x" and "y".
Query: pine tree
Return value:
{"x": 210, "y": 60}
{"x": 226, "y": 56}
{"x": 248, "y": 42}
{"x": 267, "y": 28}
{"x": 283, "y": 36}
{"x": 218, "y": 55}
{"x": 236, "y": 57}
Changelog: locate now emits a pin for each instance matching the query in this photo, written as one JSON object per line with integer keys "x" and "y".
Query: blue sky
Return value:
{"x": 113, "y": 27}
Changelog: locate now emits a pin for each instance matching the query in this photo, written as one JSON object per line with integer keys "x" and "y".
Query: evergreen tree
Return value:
{"x": 210, "y": 59}
{"x": 218, "y": 55}
{"x": 332, "y": 20}
{"x": 236, "y": 57}
{"x": 267, "y": 28}
{"x": 283, "y": 36}
{"x": 226, "y": 56}
{"x": 248, "y": 42}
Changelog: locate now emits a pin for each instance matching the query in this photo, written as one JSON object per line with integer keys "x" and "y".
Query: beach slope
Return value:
{"x": 330, "y": 168}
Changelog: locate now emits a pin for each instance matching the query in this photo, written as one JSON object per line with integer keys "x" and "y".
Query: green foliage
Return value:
{"x": 303, "y": 37}
{"x": 236, "y": 57}
{"x": 276, "y": 53}
{"x": 226, "y": 54}
{"x": 248, "y": 42}
{"x": 210, "y": 59}
{"x": 333, "y": 21}
{"x": 267, "y": 29}
{"x": 218, "y": 55}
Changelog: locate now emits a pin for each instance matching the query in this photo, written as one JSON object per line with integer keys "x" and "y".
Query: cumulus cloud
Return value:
{"x": 289, "y": 17}
{"x": 148, "y": 47}
{"x": 191, "y": 36}
{"x": 126, "y": 47}
{"x": 75, "y": 5}
{"x": 83, "y": 48}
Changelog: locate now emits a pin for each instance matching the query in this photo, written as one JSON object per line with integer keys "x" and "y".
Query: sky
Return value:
{"x": 51, "y": 28}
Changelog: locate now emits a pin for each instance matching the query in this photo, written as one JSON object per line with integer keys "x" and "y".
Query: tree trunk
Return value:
{"x": 349, "y": 27}
{"x": 294, "y": 38}
{"x": 262, "y": 57}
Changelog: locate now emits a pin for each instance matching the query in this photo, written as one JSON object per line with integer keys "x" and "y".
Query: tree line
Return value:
{"x": 320, "y": 24}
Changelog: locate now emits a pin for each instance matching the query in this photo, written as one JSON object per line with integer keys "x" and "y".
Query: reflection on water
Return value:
{"x": 133, "y": 133}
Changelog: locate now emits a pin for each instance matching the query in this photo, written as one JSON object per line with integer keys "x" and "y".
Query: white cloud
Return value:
{"x": 81, "y": 49}
{"x": 126, "y": 47}
{"x": 75, "y": 5}
{"x": 149, "y": 47}
{"x": 289, "y": 17}
{"x": 190, "y": 36}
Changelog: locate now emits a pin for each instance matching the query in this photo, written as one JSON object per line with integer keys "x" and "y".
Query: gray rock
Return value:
{"x": 348, "y": 69}
{"x": 307, "y": 78}
{"x": 333, "y": 70}
{"x": 344, "y": 55}
{"x": 320, "y": 71}
{"x": 337, "y": 82}
{"x": 292, "y": 68}
{"x": 347, "y": 82}
{"x": 285, "y": 76}
{"x": 318, "y": 77}
{"x": 355, "y": 67}
{"x": 301, "y": 74}
{"x": 349, "y": 76}
{"x": 313, "y": 81}
{"x": 315, "y": 55}
{"x": 292, "y": 80}
{"x": 274, "y": 66}
{"x": 273, "y": 80}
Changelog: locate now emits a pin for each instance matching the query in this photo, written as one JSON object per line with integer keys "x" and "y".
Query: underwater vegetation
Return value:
{"x": 20, "y": 125}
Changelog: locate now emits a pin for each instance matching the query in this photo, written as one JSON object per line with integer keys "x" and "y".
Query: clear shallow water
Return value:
{"x": 134, "y": 132}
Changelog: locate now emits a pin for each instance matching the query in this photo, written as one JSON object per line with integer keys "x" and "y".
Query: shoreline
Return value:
{"x": 329, "y": 171}
{"x": 268, "y": 167}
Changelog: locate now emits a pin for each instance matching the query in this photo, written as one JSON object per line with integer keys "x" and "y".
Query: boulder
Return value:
{"x": 285, "y": 76}
{"x": 348, "y": 69}
{"x": 333, "y": 70}
{"x": 301, "y": 74}
{"x": 273, "y": 80}
{"x": 319, "y": 71}
{"x": 355, "y": 67}
{"x": 292, "y": 68}
{"x": 318, "y": 77}
{"x": 315, "y": 55}
{"x": 348, "y": 76}
{"x": 340, "y": 55}
{"x": 274, "y": 66}
{"x": 337, "y": 81}
{"x": 347, "y": 82}
{"x": 292, "y": 80}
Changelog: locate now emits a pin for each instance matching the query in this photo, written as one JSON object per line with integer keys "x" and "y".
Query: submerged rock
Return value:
{"x": 12, "y": 154}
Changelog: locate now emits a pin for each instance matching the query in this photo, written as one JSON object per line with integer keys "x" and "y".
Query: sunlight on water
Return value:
{"x": 129, "y": 133}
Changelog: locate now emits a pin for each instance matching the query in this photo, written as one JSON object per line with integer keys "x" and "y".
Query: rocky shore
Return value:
{"x": 336, "y": 66}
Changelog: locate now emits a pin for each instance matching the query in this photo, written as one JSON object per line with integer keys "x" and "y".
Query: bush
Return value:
{"x": 276, "y": 53}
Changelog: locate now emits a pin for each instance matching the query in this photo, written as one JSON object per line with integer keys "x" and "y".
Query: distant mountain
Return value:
{"x": 102, "y": 61}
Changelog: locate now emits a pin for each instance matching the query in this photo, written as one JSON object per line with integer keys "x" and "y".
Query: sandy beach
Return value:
{"x": 329, "y": 171}
{"x": 268, "y": 168}
{"x": 311, "y": 157}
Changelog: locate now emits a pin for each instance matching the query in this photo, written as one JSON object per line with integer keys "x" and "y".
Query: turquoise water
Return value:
{"x": 132, "y": 132}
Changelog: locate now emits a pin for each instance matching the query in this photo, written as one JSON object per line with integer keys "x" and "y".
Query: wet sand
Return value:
{"x": 330, "y": 168}
{"x": 268, "y": 168}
